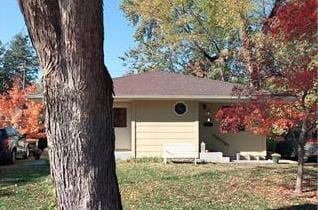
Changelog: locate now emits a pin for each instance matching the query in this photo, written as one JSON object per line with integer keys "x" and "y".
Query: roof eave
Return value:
{"x": 167, "y": 97}
{"x": 179, "y": 97}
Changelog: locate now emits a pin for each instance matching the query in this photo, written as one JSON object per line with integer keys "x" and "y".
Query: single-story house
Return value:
{"x": 155, "y": 108}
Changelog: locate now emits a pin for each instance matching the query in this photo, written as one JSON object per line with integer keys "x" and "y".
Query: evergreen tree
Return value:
{"x": 18, "y": 61}
{"x": 2, "y": 50}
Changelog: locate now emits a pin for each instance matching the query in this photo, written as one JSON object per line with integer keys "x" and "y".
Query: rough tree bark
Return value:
{"x": 68, "y": 37}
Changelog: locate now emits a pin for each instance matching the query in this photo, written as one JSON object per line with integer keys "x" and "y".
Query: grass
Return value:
{"x": 153, "y": 185}
{"x": 26, "y": 186}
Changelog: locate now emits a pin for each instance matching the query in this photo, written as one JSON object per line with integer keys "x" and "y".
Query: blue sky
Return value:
{"x": 118, "y": 33}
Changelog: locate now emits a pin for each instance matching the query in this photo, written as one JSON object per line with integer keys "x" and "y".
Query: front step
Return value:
{"x": 226, "y": 160}
{"x": 214, "y": 157}
{"x": 123, "y": 155}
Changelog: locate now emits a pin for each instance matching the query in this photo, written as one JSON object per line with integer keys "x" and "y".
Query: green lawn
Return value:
{"x": 151, "y": 185}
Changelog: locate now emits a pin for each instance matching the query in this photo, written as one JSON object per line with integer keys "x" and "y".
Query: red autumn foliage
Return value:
{"x": 264, "y": 115}
{"x": 267, "y": 112}
{"x": 296, "y": 19}
{"x": 18, "y": 111}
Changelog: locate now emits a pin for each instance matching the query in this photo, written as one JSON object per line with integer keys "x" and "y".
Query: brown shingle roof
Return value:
{"x": 164, "y": 84}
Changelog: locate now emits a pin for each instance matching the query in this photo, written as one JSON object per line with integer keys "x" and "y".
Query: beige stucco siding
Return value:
{"x": 244, "y": 143}
{"x": 154, "y": 123}
{"x": 157, "y": 124}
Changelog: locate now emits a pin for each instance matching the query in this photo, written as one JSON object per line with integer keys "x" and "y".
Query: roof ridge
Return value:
{"x": 138, "y": 74}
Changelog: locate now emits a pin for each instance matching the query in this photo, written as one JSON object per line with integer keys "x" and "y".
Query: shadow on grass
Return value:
{"x": 23, "y": 172}
{"x": 6, "y": 192}
{"x": 300, "y": 207}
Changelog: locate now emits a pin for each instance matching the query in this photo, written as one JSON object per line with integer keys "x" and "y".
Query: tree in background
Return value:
{"x": 18, "y": 111}
{"x": 18, "y": 60}
{"x": 201, "y": 38}
{"x": 286, "y": 67}
{"x": 68, "y": 37}
{"x": 2, "y": 50}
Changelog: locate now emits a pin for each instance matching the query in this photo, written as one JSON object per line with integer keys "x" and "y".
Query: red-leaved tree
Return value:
{"x": 18, "y": 111}
{"x": 286, "y": 99}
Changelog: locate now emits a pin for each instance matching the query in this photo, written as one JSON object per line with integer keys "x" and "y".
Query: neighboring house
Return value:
{"x": 154, "y": 108}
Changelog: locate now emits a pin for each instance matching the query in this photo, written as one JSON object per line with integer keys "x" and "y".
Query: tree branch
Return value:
{"x": 187, "y": 29}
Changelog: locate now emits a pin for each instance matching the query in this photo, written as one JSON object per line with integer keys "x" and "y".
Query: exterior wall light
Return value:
{"x": 208, "y": 116}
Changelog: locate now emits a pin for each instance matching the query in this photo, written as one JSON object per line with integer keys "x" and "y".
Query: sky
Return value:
{"x": 118, "y": 33}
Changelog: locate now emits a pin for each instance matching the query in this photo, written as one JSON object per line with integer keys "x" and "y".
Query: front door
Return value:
{"x": 122, "y": 120}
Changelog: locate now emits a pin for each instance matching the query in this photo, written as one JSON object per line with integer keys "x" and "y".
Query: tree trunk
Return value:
{"x": 68, "y": 37}
{"x": 249, "y": 57}
{"x": 301, "y": 154}
{"x": 300, "y": 169}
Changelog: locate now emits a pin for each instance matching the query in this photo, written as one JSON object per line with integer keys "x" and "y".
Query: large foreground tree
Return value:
{"x": 68, "y": 37}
